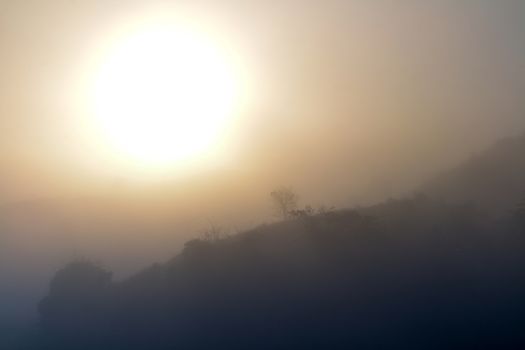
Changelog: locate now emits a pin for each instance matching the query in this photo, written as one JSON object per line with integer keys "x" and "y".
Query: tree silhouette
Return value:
{"x": 285, "y": 201}
{"x": 213, "y": 233}
{"x": 80, "y": 284}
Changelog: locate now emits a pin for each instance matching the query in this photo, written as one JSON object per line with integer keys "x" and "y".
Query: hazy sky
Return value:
{"x": 357, "y": 99}
{"x": 354, "y": 101}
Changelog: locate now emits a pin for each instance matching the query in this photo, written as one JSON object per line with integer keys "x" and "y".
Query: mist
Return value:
{"x": 354, "y": 103}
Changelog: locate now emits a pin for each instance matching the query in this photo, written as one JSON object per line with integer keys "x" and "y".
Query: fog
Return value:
{"x": 355, "y": 102}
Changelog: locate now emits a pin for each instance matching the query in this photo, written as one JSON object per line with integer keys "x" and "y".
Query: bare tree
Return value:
{"x": 213, "y": 233}
{"x": 285, "y": 201}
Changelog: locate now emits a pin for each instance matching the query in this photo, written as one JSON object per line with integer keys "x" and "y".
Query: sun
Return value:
{"x": 165, "y": 94}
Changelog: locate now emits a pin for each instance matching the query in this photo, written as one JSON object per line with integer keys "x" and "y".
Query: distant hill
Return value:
{"x": 405, "y": 274}
{"x": 429, "y": 272}
{"x": 493, "y": 179}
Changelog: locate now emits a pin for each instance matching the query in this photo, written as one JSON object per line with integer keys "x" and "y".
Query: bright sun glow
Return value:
{"x": 165, "y": 94}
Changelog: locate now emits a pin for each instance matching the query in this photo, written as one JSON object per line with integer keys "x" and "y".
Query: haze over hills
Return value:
{"x": 66, "y": 228}
{"x": 493, "y": 180}
{"x": 235, "y": 174}
{"x": 457, "y": 203}
{"x": 420, "y": 272}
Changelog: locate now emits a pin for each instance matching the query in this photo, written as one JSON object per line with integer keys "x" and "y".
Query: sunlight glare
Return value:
{"x": 165, "y": 94}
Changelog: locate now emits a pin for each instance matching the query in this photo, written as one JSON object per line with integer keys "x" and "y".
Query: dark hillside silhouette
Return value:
{"x": 405, "y": 274}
